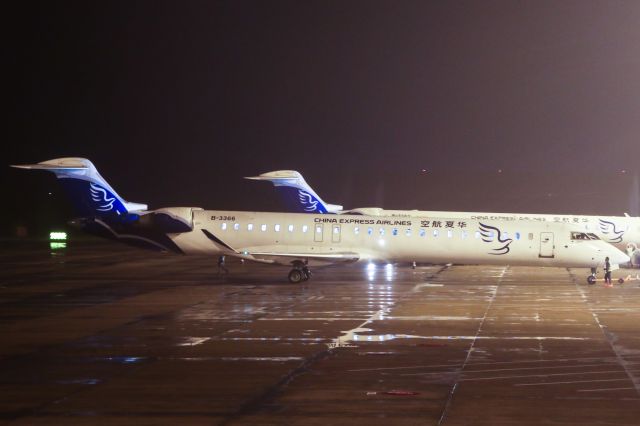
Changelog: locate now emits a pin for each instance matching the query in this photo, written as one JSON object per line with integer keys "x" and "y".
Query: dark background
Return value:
{"x": 516, "y": 106}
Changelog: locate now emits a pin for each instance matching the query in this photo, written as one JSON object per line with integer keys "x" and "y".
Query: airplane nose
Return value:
{"x": 617, "y": 256}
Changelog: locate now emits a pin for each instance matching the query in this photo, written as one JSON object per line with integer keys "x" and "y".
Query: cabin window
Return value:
{"x": 263, "y": 227}
{"x": 517, "y": 235}
{"x": 506, "y": 234}
{"x": 435, "y": 232}
{"x": 223, "y": 226}
{"x": 449, "y": 233}
{"x": 381, "y": 231}
{"x": 356, "y": 230}
{"x": 394, "y": 232}
{"x": 423, "y": 232}
{"x": 276, "y": 228}
{"x": 463, "y": 235}
{"x": 305, "y": 228}
{"x": 408, "y": 232}
{"x": 236, "y": 226}
{"x": 249, "y": 226}
{"x": 369, "y": 231}
{"x": 290, "y": 228}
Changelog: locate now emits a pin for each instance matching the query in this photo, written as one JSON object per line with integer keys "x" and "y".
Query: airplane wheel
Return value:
{"x": 306, "y": 273}
{"x": 620, "y": 280}
{"x": 295, "y": 276}
{"x": 591, "y": 280}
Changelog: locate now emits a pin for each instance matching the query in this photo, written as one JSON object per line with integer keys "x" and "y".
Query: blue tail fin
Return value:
{"x": 296, "y": 194}
{"x": 89, "y": 193}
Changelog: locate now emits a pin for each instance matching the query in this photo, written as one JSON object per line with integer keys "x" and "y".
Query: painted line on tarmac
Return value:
{"x": 572, "y": 382}
{"x": 605, "y": 389}
{"x": 410, "y": 367}
{"x": 577, "y": 373}
{"x": 607, "y": 335}
{"x": 545, "y": 367}
{"x": 346, "y": 339}
{"x": 452, "y": 392}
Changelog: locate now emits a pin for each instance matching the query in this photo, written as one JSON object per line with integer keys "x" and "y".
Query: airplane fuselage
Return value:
{"x": 621, "y": 231}
{"x": 281, "y": 237}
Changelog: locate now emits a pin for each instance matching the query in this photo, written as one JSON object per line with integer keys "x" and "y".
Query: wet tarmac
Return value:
{"x": 96, "y": 333}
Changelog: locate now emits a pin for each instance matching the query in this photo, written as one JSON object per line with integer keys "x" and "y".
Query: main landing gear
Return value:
{"x": 299, "y": 273}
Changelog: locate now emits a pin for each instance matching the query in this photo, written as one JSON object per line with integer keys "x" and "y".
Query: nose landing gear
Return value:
{"x": 591, "y": 279}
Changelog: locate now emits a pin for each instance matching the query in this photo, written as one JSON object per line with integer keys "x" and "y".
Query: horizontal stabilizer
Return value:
{"x": 296, "y": 193}
{"x": 49, "y": 167}
{"x": 89, "y": 192}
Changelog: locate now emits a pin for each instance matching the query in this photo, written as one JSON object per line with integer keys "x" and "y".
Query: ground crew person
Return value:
{"x": 607, "y": 272}
{"x": 222, "y": 268}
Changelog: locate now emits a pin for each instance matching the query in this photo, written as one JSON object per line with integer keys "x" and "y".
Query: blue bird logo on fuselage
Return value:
{"x": 608, "y": 229}
{"x": 491, "y": 234}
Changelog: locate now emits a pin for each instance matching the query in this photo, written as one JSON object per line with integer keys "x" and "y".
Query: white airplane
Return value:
{"x": 301, "y": 240}
{"x": 298, "y": 196}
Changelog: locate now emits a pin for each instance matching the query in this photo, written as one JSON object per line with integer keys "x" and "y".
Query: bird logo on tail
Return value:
{"x": 100, "y": 196}
{"x": 307, "y": 201}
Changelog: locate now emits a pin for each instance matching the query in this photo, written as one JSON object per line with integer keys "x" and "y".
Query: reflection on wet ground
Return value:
{"x": 98, "y": 333}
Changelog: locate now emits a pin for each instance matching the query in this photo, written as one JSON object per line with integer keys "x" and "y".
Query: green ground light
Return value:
{"x": 58, "y": 236}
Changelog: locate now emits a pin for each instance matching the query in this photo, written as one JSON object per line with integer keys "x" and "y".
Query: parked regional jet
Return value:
{"x": 302, "y": 240}
{"x": 298, "y": 196}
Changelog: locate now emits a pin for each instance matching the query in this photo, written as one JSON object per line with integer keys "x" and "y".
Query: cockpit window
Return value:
{"x": 581, "y": 236}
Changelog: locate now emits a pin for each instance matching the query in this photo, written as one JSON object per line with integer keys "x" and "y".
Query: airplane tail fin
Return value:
{"x": 90, "y": 194}
{"x": 296, "y": 193}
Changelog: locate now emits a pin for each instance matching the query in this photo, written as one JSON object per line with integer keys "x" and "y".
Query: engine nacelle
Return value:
{"x": 170, "y": 220}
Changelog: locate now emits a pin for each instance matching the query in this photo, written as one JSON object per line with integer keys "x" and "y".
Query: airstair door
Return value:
{"x": 335, "y": 234}
{"x": 318, "y": 232}
{"x": 547, "y": 245}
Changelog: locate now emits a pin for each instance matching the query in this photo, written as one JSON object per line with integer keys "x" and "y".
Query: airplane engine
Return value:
{"x": 170, "y": 220}
{"x": 174, "y": 219}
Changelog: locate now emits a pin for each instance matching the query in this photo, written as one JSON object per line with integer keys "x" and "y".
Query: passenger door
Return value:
{"x": 318, "y": 232}
{"x": 547, "y": 245}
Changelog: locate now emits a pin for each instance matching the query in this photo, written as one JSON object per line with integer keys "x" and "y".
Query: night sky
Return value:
{"x": 525, "y": 106}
